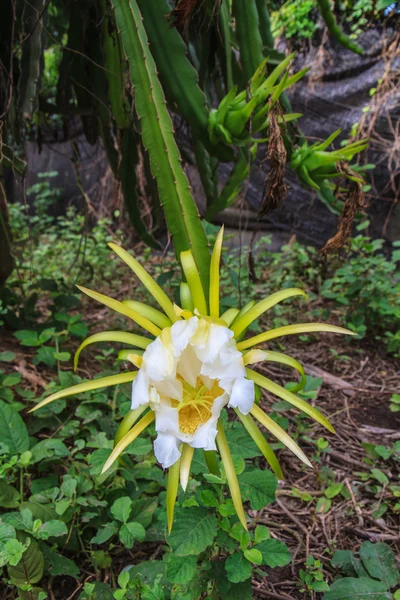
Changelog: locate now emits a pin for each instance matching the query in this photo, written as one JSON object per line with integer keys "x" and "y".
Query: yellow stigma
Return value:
{"x": 195, "y": 408}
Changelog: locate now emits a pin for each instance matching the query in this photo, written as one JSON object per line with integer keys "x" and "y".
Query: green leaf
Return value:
{"x": 22, "y": 520}
{"x": 357, "y": 588}
{"x": 50, "y": 448}
{"x": 11, "y": 379}
{"x": 380, "y": 562}
{"x": 240, "y": 442}
{"x": 105, "y": 533}
{"x": 12, "y": 551}
{"x": 143, "y": 510}
{"x": 181, "y": 569}
{"x": 9, "y": 496}
{"x": 259, "y": 487}
{"x": 237, "y": 567}
{"x": 382, "y": 4}
{"x": 13, "y": 431}
{"x": 274, "y": 553}
{"x": 193, "y": 531}
{"x": 323, "y": 505}
{"x": 148, "y": 570}
{"x": 333, "y": 490}
{"x": 7, "y": 532}
{"x": 27, "y": 337}
{"x": 154, "y": 592}
{"x": 139, "y": 447}
{"x": 52, "y": 528}
{"x": 100, "y": 591}
{"x": 261, "y": 534}
{"x": 380, "y": 476}
{"x": 58, "y": 564}
{"x": 121, "y": 509}
{"x": 348, "y": 563}
{"x": 130, "y": 532}
{"x": 31, "y": 566}
{"x": 254, "y": 556}
{"x": 208, "y": 498}
{"x": 7, "y": 356}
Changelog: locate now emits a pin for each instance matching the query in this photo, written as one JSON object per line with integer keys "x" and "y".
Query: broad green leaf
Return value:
{"x": 181, "y": 569}
{"x": 240, "y": 442}
{"x": 208, "y": 498}
{"x": 139, "y": 447}
{"x": 13, "y": 431}
{"x": 105, "y": 533}
{"x": 130, "y": 532}
{"x": 11, "y": 379}
{"x": 50, "y": 448}
{"x": 357, "y": 588}
{"x": 275, "y": 553}
{"x": 333, "y": 490}
{"x": 253, "y": 555}
{"x": 121, "y": 509}
{"x": 237, "y": 567}
{"x": 9, "y": 496}
{"x": 7, "y": 356}
{"x": 259, "y": 487}
{"x": 194, "y": 530}
{"x": 143, "y": 510}
{"x": 99, "y": 591}
{"x": 154, "y": 592}
{"x": 58, "y": 564}
{"x": 11, "y": 552}
{"x": 148, "y": 571}
{"x": 380, "y": 562}
{"x": 44, "y": 512}
{"x": 52, "y": 528}
{"x": 380, "y": 476}
{"x": 7, "y": 532}
{"x": 261, "y": 534}
{"x": 323, "y": 505}
{"x": 21, "y": 521}
{"x": 31, "y": 566}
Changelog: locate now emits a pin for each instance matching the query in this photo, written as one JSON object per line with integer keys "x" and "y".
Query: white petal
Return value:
{"x": 189, "y": 366}
{"x": 167, "y": 420}
{"x": 140, "y": 390}
{"x": 159, "y": 361}
{"x": 171, "y": 388}
{"x": 181, "y": 332}
{"x": 166, "y": 449}
{"x": 208, "y": 350}
{"x": 204, "y": 436}
{"x": 242, "y": 395}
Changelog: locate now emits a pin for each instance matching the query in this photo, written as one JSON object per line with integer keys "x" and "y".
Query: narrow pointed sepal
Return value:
{"x": 230, "y": 472}
{"x": 147, "y": 280}
{"x": 128, "y": 439}
{"x": 214, "y": 274}
{"x": 87, "y": 386}
{"x": 186, "y": 462}
{"x": 288, "y": 396}
{"x": 261, "y": 443}
{"x": 279, "y": 433}
{"x": 172, "y": 492}
{"x": 291, "y": 330}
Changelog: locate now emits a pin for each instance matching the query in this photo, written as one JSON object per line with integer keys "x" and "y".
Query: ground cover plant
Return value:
{"x": 160, "y": 464}
{"x": 81, "y": 522}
